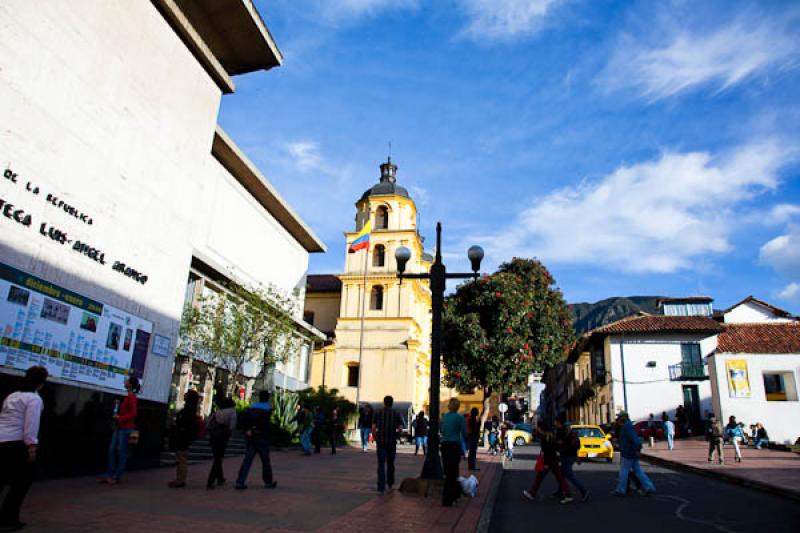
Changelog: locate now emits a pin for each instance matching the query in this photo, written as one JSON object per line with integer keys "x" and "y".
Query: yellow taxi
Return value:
{"x": 594, "y": 443}
{"x": 521, "y": 434}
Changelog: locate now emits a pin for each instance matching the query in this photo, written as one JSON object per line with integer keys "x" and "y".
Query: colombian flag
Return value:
{"x": 362, "y": 239}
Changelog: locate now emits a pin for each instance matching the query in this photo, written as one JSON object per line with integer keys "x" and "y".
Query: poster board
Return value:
{"x": 738, "y": 380}
{"x": 74, "y": 337}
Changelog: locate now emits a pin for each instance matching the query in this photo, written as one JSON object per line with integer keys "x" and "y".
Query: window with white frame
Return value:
{"x": 780, "y": 387}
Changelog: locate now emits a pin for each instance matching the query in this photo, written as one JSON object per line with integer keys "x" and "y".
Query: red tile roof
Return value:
{"x": 323, "y": 283}
{"x": 759, "y": 338}
{"x": 662, "y": 324}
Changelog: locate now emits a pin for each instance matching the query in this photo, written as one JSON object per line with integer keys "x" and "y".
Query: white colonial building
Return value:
{"x": 121, "y": 195}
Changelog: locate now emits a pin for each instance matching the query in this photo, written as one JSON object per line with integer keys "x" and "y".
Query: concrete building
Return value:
{"x": 755, "y": 369}
{"x": 119, "y": 187}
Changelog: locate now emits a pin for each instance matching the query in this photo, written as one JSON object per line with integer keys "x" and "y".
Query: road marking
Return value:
{"x": 684, "y": 503}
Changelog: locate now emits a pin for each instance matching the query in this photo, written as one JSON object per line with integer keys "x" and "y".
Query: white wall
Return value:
{"x": 649, "y": 390}
{"x": 749, "y": 313}
{"x": 781, "y": 419}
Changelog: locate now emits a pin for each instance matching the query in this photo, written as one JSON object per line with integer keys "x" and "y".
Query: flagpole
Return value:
{"x": 361, "y": 333}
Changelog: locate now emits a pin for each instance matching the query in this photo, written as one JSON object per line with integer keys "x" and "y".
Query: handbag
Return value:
{"x": 539, "y": 464}
{"x": 133, "y": 438}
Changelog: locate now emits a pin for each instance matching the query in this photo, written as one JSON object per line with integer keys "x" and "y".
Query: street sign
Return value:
{"x": 503, "y": 407}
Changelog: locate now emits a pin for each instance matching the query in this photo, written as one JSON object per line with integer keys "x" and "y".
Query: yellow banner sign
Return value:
{"x": 738, "y": 381}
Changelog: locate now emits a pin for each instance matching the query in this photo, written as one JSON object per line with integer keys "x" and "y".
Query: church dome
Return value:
{"x": 387, "y": 186}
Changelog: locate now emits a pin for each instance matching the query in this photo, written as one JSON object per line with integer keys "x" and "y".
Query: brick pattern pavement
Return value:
{"x": 320, "y": 493}
{"x": 770, "y": 469}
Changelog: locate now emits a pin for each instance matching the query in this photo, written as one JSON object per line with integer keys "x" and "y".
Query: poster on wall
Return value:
{"x": 74, "y": 337}
{"x": 738, "y": 381}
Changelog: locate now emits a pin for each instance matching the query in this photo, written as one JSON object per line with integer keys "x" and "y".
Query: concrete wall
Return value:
{"x": 751, "y": 313}
{"x": 649, "y": 390}
{"x": 780, "y": 418}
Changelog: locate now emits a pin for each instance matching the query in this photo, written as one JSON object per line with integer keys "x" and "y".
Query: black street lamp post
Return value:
{"x": 438, "y": 276}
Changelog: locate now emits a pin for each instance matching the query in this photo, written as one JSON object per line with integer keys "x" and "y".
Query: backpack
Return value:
{"x": 716, "y": 430}
{"x": 216, "y": 431}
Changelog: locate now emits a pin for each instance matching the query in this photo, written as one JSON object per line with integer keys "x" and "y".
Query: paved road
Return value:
{"x": 685, "y": 503}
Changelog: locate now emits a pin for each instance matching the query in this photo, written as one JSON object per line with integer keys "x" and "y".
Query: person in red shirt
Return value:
{"x": 125, "y": 422}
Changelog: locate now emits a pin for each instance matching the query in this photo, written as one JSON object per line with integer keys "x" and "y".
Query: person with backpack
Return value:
{"x": 568, "y": 444}
{"x": 221, "y": 426}
{"x": 630, "y": 447}
{"x": 421, "y": 433}
{"x": 547, "y": 462}
{"x": 733, "y": 431}
{"x": 124, "y": 419}
{"x": 255, "y": 425}
{"x": 714, "y": 433}
{"x": 188, "y": 428}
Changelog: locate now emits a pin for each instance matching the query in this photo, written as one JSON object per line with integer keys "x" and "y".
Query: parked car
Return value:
{"x": 521, "y": 434}
{"x": 643, "y": 430}
{"x": 594, "y": 442}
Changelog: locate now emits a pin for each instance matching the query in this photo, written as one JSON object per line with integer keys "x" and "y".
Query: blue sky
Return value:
{"x": 634, "y": 147}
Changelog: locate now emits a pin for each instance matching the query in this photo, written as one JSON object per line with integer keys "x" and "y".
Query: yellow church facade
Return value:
{"x": 380, "y": 333}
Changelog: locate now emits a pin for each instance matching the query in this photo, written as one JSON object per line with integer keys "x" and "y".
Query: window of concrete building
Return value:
{"x": 780, "y": 387}
{"x": 382, "y": 218}
{"x": 352, "y": 375}
{"x": 308, "y": 317}
{"x": 376, "y": 298}
{"x": 599, "y": 366}
{"x": 379, "y": 256}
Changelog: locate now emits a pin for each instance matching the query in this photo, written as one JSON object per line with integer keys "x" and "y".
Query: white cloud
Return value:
{"x": 783, "y": 254}
{"x": 783, "y": 213}
{"x": 503, "y": 19}
{"x": 348, "y": 11}
{"x": 790, "y": 293}
{"x": 722, "y": 58}
{"x": 305, "y": 155}
{"x": 420, "y": 194}
{"x": 662, "y": 215}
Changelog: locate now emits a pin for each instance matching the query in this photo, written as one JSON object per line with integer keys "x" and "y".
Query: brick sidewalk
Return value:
{"x": 319, "y": 493}
{"x": 771, "y": 470}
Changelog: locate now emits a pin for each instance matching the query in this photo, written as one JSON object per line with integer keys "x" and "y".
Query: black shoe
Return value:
{"x": 221, "y": 482}
{"x": 271, "y": 485}
{"x": 210, "y": 486}
{"x": 240, "y": 487}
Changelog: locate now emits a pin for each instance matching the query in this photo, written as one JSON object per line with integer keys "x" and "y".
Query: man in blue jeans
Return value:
{"x": 385, "y": 426}
{"x": 630, "y": 446}
{"x": 568, "y": 444}
{"x": 255, "y": 424}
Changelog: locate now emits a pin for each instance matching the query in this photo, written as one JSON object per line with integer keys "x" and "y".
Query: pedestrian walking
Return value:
{"x": 255, "y": 425}
{"x": 306, "y": 427}
{"x": 221, "y": 426}
{"x": 473, "y": 436}
{"x": 547, "y": 462}
{"x": 503, "y": 438}
{"x": 669, "y": 430}
{"x": 124, "y": 422}
{"x": 365, "y": 425}
{"x": 494, "y": 434}
{"x": 333, "y": 425}
{"x": 651, "y": 430}
{"x": 714, "y": 434}
{"x": 319, "y": 425}
{"x": 509, "y": 443}
{"x": 762, "y": 439}
{"x": 734, "y": 433}
{"x": 683, "y": 420}
{"x": 186, "y": 430}
{"x": 454, "y": 431}
{"x": 568, "y": 443}
{"x": 630, "y": 447}
{"x": 421, "y": 433}
{"x": 385, "y": 428}
{"x": 19, "y": 438}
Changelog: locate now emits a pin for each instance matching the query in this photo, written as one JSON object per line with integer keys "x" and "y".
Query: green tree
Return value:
{"x": 233, "y": 325}
{"x": 499, "y": 329}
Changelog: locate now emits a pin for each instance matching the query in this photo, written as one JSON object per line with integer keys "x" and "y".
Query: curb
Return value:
{"x": 723, "y": 476}
{"x": 485, "y": 518}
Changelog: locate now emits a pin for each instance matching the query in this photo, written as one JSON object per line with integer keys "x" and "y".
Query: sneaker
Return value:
{"x": 585, "y": 496}
{"x": 566, "y": 499}
{"x": 528, "y": 495}
{"x": 271, "y": 485}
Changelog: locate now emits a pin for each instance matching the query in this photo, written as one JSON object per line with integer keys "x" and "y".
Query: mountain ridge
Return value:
{"x": 588, "y": 316}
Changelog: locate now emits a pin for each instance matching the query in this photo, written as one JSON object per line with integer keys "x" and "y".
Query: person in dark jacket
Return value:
{"x": 187, "y": 429}
{"x": 221, "y": 426}
{"x": 386, "y": 425}
{"x": 421, "y": 433}
{"x": 333, "y": 429}
{"x": 630, "y": 446}
{"x": 550, "y": 463}
{"x": 255, "y": 425}
{"x": 568, "y": 444}
{"x": 365, "y": 425}
{"x": 473, "y": 435}
{"x": 319, "y": 424}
